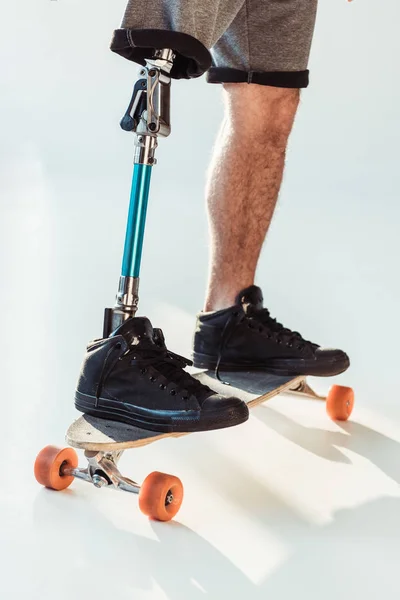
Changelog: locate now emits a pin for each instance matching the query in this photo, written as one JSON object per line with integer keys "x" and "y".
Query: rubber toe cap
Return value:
{"x": 230, "y": 406}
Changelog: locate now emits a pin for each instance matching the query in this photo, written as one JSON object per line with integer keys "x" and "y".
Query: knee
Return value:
{"x": 262, "y": 113}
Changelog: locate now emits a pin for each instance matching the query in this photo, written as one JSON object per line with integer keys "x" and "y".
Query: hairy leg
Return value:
{"x": 243, "y": 183}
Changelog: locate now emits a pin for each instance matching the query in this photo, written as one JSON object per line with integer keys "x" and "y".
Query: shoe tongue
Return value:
{"x": 136, "y": 331}
{"x": 250, "y": 298}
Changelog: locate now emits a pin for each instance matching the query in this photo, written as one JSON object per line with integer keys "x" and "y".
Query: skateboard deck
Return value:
{"x": 92, "y": 433}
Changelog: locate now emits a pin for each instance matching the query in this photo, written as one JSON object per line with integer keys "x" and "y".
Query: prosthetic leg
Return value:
{"x": 148, "y": 117}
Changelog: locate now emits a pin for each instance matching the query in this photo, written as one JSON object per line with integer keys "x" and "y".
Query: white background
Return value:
{"x": 289, "y": 505}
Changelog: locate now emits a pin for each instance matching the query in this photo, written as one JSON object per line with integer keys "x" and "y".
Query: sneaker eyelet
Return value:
{"x": 162, "y": 386}
{"x": 152, "y": 378}
{"x": 279, "y": 341}
{"x": 173, "y": 392}
{"x": 143, "y": 371}
{"x": 185, "y": 397}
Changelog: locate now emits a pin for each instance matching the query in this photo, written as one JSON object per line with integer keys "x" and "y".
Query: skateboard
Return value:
{"x": 161, "y": 495}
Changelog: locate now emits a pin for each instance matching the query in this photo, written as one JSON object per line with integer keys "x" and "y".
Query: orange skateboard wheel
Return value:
{"x": 161, "y": 496}
{"x": 49, "y": 463}
{"x": 340, "y": 402}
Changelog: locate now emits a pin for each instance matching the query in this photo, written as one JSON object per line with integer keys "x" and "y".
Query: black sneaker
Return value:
{"x": 245, "y": 336}
{"x": 131, "y": 377}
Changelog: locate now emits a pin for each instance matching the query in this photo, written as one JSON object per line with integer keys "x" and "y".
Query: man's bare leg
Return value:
{"x": 243, "y": 184}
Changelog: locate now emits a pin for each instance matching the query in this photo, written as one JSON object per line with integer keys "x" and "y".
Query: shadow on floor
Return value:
{"x": 382, "y": 451}
{"x": 354, "y": 556}
{"x": 99, "y": 560}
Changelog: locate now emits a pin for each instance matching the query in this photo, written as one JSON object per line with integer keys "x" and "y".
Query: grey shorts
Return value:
{"x": 256, "y": 41}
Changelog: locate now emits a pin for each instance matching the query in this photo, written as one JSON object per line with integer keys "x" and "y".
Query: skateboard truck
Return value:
{"x": 102, "y": 471}
{"x": 147, "y": 116}
{"x": 160, "y": 495}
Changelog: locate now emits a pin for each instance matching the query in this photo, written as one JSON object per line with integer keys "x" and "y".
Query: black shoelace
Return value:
{"x": 278, "y": 331}
{"x": 262, "y": 321}
{"x": 168, "y": 364}
{"x": 171, "y": 366}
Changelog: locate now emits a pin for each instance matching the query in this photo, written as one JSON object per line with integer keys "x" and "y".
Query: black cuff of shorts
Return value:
{"x": 192, "y": 57}
{"x": 282, "y": 79}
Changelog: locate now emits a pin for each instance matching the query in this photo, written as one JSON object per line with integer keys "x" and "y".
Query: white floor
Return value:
{"x": 290, "y": 504}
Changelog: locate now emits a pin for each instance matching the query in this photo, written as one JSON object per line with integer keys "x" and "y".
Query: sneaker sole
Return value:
{"x": 289, "y": 367}
{"x": 162, "y": 421}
